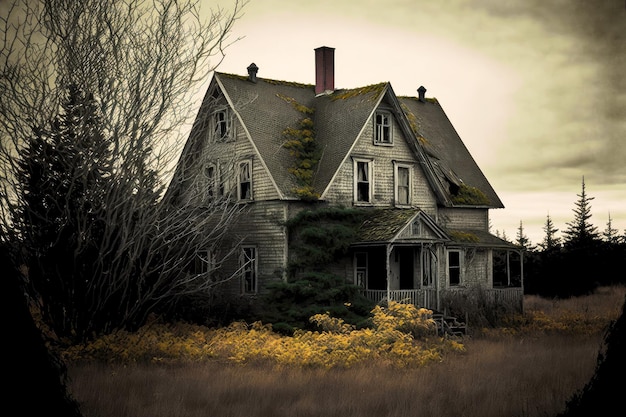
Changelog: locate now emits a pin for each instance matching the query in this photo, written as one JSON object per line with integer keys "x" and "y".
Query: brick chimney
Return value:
{"x": 324, "y": 70}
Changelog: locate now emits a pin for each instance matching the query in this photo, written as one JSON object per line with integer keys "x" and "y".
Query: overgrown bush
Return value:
{"x": 400, "y": 335}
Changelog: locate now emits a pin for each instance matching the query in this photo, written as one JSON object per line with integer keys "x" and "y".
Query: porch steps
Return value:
{"x": 448, "y": 325}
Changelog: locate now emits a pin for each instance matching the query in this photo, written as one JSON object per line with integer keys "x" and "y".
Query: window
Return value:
{"x": 403, "y": 184}
{"x": 209, "y": 173}
{"x": 454, "y": 267}
{"x": 245, "y": 181}
{"x": 221, "y": 125}
{"x": 248, "y": 270}
{"x": 362, "y": 181}
{"x": 416, "y": 228}
{"x": 205, "y": 262}
{"x": 224, "y": 184}
{"x": 360, "y": 269}
{"x": 382, "y": 128}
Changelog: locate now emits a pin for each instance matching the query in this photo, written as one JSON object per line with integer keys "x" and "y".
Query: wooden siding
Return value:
{"x": 341, "y": 190}
{"x": 231, "y": 153}
{"x": 262, "y": 227}
{"x": 464, "y": 218}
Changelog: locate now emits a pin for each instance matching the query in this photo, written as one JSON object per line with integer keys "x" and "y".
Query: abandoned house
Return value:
{"x": 283, "y": 148}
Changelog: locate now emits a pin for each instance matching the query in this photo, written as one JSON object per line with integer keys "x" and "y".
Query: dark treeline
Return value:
{"x": 583, "y": 259}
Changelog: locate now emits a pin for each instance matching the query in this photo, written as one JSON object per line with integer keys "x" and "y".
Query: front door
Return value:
{"x": 406, "y": 259}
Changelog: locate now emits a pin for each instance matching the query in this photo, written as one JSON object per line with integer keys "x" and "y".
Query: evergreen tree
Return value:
{"x": 550, "y": 241}
{"x": 521, "y": 238}
{"x": 64, "y": 171}
{"x": 580, "y": 232}
{"x": 610, "y": 234}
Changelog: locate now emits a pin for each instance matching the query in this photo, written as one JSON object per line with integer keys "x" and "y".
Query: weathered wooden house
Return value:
{"x": 282, "y": 147}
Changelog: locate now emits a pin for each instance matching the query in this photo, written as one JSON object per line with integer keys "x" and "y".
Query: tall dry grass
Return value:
{"x": 507, "y": 374}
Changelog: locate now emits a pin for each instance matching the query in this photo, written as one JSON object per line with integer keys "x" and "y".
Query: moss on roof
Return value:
{"x": 299, "y": 107}
{"x": 413, "y": 123}
{"x": 376, "y": 89}
{"x": 427, "y": 99}
{"x": 287, "y": 83}
{"x": 470, "y": 196}
{"x": 383, "y": 224}
{"x": 463, "y": 236}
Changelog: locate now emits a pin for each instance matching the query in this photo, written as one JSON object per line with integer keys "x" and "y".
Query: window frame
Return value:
{"x": 397, "y": 166}
{"x": 240, "y": 190}
{"x": 356, "y": 181}
{"x": 458, "y": 267}
{"x": 385, "y": 125}
{"x": 360, "y": 271}
{"x": 205, "y": 262}
{"x": 211, "y": 189}
{"x": 222, "y": 127}
{"x": 249, "y": 286}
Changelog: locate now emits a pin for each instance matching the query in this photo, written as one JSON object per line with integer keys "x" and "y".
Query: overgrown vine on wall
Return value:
{"x": 300, "y": 141}
{"x": 317, "y": 238}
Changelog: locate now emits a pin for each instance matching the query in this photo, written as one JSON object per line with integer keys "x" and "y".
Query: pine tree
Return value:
{"x": 64, "y": 171}
{"x": 580, "y": 232}
{"x": 521, "y": 239}
{"x": 610, "y": 234}
{"x": 550, "y": 241}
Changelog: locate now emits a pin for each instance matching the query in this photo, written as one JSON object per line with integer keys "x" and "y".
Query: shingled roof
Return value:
{"x": 453, "y": 164}
{"x": 267, "y": 107}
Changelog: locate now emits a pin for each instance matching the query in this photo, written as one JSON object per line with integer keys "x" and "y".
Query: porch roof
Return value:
{"x": 481, "y": 238}
{"x": 385, "y": 225}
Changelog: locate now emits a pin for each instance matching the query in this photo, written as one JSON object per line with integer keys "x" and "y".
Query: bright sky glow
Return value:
{"x": 535, "y": 89}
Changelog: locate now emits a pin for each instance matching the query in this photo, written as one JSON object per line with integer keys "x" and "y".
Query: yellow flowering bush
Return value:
{"x": 390, "y": 341}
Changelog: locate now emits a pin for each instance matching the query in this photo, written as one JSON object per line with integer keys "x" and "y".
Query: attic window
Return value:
{"x": 382, "y": 129}
{"x": 221, "y": 126}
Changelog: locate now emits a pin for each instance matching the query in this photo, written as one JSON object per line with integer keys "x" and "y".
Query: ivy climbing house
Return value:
{"x": 372, "y": 187}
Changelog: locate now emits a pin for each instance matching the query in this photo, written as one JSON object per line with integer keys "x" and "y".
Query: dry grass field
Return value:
{"x": 502, "y": 373}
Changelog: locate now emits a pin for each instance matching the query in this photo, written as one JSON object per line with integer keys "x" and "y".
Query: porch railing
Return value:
{"x": 427, "y": 297}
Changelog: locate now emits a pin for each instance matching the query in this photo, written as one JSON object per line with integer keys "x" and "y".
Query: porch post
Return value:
{"x": 388, "y": 271}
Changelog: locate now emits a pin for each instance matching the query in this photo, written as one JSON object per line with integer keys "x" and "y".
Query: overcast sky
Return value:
{"x": 535, "y": 88}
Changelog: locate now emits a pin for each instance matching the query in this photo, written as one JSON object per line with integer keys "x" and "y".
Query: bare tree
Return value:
{"x": 139, "y": 62}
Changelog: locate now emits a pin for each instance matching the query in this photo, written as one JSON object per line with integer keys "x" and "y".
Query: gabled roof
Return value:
{"x": 386, "y": 226}
{"x": 267, "y": 107}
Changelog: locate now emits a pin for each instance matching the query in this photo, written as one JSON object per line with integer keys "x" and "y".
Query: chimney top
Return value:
{"x": 422, "y": 93}
{"x": 252, "y": 70}
{"x": 324, "y": 70}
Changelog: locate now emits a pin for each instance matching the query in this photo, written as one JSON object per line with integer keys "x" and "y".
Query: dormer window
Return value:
{"x": 221, "y": 126}
{"x": 382, "y": 129}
